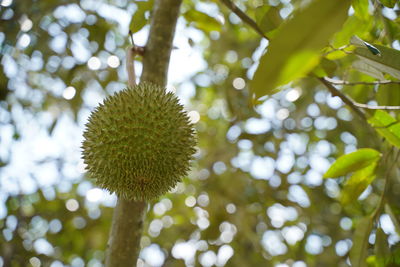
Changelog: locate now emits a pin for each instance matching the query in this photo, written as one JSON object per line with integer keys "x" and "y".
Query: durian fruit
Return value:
{"x": 139, "y": 142}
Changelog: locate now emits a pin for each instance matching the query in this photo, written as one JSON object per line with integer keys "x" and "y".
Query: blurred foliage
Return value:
{"x": 256, "y": 194}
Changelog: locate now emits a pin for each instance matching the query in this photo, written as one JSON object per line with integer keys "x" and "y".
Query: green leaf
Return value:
{"x": 353, "y": 26}
{"x": 365, "y": 68}
{"x": 334, "y": 55}
{"x": 138, "y": 20}
{"x": 388, "y": 3}
{"x": 260, "y": 12}
{"x": 361, "y": 8}
{"x": 357, "y": 183}
{"x": 371, "y": 261}
{"x": 381, "y": 248}
{"x": 388, "y": 95}
{"x": 299, "y": 65}
{"x": 358, "y": 252}
{"x": 388, "y": 61}
{"x": 393, "y": 217}
{"x": 386, "y": 126}
{"x": 352, "y": 162}
{"x": 202, "y": 21}
{"x": 308, "y": 31}
{"x": 328, "y": 66}
{"x": 270, "y": 19}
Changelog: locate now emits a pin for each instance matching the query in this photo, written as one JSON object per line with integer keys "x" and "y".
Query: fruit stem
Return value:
{"x": 130, "y": 66}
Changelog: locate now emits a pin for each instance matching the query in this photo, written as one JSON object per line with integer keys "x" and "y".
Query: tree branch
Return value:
{"x": 341, "y": 82}
{"x": 126, "y": 231}
{"x": 127, "y": 226}
{"x": 343, "y": 97}
{"x": 131, "y": 52}
{"x": 246, "y": 19}
{"x": 360, "y": 105}
{"x": 354, "y": 105}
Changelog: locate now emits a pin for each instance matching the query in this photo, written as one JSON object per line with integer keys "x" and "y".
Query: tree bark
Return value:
{"x": 158, "y": 48}
{"x": 127, "y": 226}
{"x": 126, "y": 231}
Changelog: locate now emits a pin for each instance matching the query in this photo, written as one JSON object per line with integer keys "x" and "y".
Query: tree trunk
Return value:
{"x": 158, "y": 48}
{"x": 127, "y": 226}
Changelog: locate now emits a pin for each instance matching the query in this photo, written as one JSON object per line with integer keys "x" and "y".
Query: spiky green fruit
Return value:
{"x": 139, "y": 142}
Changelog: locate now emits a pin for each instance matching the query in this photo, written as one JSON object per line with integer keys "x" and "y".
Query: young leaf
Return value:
{"x": 352, "y": 162}
{"x": 358, "y": 252}
{"x": 357, "y": 183}
{"x": 202, "y": 21}
{"x": 361, "y": 8}
{"x": 138, "y": 20}
{"x": 353, "y": 26}
{"x": 386, "y": 126}
{"x": 308, "y": 31}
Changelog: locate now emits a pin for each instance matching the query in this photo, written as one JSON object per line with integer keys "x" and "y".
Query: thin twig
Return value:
{"x": 131, "y": 52}
{"x": 343, "y": 97}
{"x": 341, "y": 82}
{"x": 130, "y": 66}
{"x": 244, "y": 17}
{"x": 360, "y": 105}
{"x": 354, "y": 105}
{"x": 342, "y": 48}
{"x": 131, "y": 36}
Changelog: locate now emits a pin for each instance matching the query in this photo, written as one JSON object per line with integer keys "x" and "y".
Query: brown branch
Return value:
{"x": 130, "y": 66}
{"x": 343, "y": 97}
{"x": 246, "y": 19}
{"x": 131, "y": 52}
{"x": 341, "y": 82}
